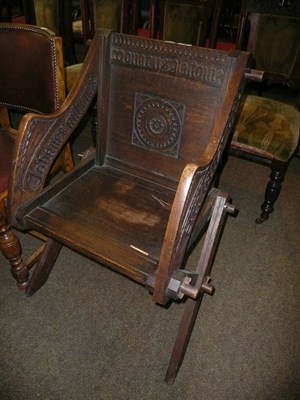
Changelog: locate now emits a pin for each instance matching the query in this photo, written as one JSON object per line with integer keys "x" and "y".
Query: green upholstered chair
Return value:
{"x": 47, "y": 14}
{"x": 267, "y": 129}
{"x": 189, "y": 21}
{"x": 111, "y": 14}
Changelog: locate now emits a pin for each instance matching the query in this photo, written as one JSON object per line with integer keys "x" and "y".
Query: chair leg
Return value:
{"x": 183, "y": 336}
{"x": 220, "y": 208}
{"x": 44, "y": 266}
{"x": 273, "y": 188}
{"x": 11, "y": 249}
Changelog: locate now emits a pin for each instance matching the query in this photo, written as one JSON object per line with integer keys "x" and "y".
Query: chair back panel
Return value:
{"x": 47, "y": 14}
{"x": 108, "y": 14}
{"x": 25, "y": 69}
{"x": 186, "y": 22}
{"x": 277, "y": 43}
{"x": 271, "y": 31}
{"x": 147, "y": 127}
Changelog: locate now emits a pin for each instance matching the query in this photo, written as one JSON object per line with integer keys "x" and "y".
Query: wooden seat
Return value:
{"x": 267, "y": 129}
{"x": 140, "y": 201}
{"x": 31, "y": 81}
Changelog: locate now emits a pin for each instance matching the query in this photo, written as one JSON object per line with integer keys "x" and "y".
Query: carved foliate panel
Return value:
{"x": 190, "y": 62}
{"x": 157, "y": 124}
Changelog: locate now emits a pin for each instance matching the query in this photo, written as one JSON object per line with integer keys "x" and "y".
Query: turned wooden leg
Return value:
{"x": 272, "y": 190}
{"x": 11, "y": 249}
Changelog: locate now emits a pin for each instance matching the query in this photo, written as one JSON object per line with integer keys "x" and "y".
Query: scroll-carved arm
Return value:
{"x": 190, "y": 195}
{"x": 40, "y": 138}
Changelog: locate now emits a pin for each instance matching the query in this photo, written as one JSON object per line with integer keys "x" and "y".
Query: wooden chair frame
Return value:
{"x": 146, "y": 240}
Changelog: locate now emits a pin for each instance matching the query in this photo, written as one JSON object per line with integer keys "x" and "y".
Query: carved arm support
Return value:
{"x": 41, "y": 137}
{"x": 190, "y": 195}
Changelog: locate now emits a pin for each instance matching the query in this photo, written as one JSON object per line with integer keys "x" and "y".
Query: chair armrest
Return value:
{"x": 189, "y": 197}
{"x": 41, "y": 137}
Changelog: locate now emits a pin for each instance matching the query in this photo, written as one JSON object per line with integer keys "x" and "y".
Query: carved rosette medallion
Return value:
{"x": 157, "y": 124}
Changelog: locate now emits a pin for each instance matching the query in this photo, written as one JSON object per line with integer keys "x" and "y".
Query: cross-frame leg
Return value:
{"x": 200, "y": 286}
{"x": 44, "y": 266}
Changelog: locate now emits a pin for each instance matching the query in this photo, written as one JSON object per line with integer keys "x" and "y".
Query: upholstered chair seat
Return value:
{"x": 267, "y": 128}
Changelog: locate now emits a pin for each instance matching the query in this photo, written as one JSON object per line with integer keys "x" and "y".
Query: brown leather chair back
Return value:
{"x": 25, "y": 69}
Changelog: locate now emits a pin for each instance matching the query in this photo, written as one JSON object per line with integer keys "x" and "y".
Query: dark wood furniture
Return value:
{"x": 103, "y": 14}
{"x": 140, "y": 201}
{"x": 267, "y": 130}
{"x": 31, "y": 81}
{"x": 229, "y": 20}
{"x": 8, "y": 8}
{"x": 55, "y": 15}
{"x": 192, "y": 22}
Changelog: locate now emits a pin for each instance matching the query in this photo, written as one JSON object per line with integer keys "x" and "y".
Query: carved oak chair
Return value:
{"x": 139, "y": 202}
{"x": 267, "y": 129}
{"x": 190, "y": 22}
{"x": 31, "y": 81}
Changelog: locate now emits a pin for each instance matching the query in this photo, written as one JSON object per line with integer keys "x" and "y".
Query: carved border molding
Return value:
{"x": 195, "y": 63}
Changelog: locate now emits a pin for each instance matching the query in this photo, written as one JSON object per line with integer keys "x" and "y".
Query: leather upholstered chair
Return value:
{"x": 32, "y": 80}
{"x": 165, "y": 113}
{"x": 190, "y": 22}
{"x": 267, "y": 129}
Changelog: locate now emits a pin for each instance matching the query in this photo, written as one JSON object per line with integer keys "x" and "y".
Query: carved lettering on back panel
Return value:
{"x": 191, "y": 62}
{"x": 157, "y": 124}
